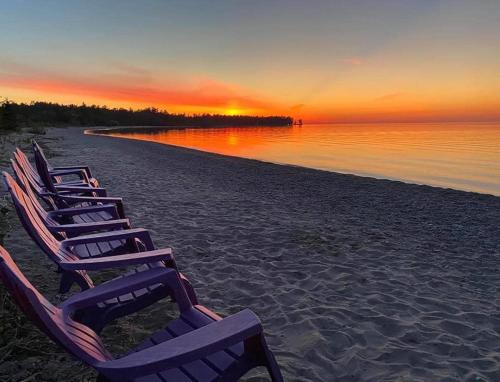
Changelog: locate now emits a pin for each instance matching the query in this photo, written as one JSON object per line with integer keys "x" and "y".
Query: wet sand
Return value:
{"x": 355, "y": 279}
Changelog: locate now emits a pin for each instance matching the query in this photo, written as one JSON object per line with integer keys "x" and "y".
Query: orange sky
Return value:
{"x": 195, "y": 95}
{"x": 401, "y": 61}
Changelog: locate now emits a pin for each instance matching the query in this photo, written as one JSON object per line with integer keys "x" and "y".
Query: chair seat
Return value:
{"x": 135, "y": 295}
{"x": 113, "y": 308}
{"x": 206, "y": 370}
{"x": 117, "y": 247}
{"x": 92, "y": 217}
{"x": 107, "y": 248}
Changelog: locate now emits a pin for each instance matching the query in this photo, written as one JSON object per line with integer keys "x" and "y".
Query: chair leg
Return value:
{"x": 260, "y": 347}
{"x": 67, "y": 280}
{"x": 273, "y": 368}
{"x": 94, "y": 318}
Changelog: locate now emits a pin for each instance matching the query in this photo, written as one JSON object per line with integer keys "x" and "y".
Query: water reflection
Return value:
{"x": 461, "y": 156}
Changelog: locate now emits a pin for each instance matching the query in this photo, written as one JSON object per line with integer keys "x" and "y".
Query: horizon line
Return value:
{"x": 305, "y": 121}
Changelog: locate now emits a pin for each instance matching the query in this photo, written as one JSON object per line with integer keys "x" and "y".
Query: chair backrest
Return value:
{"x": 32, "y": 184}
{"x": 42, "y": 165}
{"x": 76, "y": 338}
{"x": 23, "y": 162}
{"x": 38, "y": 148}
{"x": 31, "y": 220}
{"x": 23, "y": 182}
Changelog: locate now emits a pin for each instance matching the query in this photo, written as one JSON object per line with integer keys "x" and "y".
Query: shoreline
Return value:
{"x": 99, "y": 130}
{"x": 354, "y": 278}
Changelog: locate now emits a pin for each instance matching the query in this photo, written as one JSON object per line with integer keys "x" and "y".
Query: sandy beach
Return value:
{"x": 355, "y": 279}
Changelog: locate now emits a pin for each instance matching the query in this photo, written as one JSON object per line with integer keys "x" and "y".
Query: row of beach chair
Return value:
{"x": 81, "y": 229}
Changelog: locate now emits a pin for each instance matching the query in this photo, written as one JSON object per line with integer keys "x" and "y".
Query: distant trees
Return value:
{"x": 53, "y": 114}
{"x": 8, "y": 117}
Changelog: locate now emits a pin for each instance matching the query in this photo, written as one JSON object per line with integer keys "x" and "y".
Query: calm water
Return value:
{"x": 460, "y": 156}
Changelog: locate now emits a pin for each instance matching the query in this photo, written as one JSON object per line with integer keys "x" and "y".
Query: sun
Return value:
{"x": 233, "y": 111}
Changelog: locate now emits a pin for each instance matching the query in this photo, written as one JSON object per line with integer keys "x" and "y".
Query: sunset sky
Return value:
{"x": 323, "y": 61}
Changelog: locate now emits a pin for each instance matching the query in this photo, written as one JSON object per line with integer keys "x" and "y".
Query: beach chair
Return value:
{"x": 55, "y": 183}
{"x": 76, "y": 256}
{"x": 69, "y": 222}
{"x": 88, "y": 213}
{"x": 19, "y": 167}
{"x": 66, "y": 195}
{"x": 56, "y": 175}
{"x": 199, "y": 346}
{"x": 83, "y": 172}
{"x": 50, "y": 179}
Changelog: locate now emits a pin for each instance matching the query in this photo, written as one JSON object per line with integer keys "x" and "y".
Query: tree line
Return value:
{"x": 46, "y": 114}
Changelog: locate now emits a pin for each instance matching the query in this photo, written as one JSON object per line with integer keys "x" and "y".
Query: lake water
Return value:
{"x": 463, "y": 156}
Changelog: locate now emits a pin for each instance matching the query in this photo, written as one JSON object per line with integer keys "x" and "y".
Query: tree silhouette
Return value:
{"x": 37, "y": 114}
{"x": 8, "y": 120}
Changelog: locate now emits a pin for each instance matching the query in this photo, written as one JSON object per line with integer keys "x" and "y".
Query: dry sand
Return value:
{"x": 355, "y": 279}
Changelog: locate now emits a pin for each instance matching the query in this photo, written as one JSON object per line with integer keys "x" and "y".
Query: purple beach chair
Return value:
{"x": 199, "y": 346}
{"x": 66, "y": 195}
{"x": 89, "y": 213}
{"x": 76, "y": 256}
{"x": 55, "y": 183}
{"x": 83, "y": 172}
{"x": 50, "y": 179}
{"x": 23, "y": 160}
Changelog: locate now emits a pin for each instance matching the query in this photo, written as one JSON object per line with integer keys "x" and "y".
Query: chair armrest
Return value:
{"x": 82, "y": 189}
{"x": 75, "y": 229}
{"x": 95, "y": 199}
{"x": 199, "y": 343}
{"x": 117, "y": 287}
{"x": 71, "y": 183}
{"x": 136, "y": 233}
{"x": 110, "y": 208}
{"x": 118, "y": 261}
{"x": 81, "y": 173}
{"x": 84, "y": 168}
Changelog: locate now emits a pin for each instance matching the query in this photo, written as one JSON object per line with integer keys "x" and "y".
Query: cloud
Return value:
{"x": 129, "y": 84}
{"x": 354, "y": 61}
